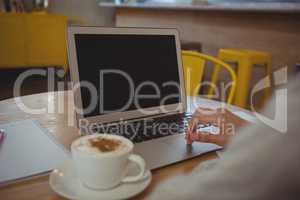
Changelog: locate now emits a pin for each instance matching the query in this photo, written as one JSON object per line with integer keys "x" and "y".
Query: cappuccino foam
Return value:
{"x": 101, "y": 144}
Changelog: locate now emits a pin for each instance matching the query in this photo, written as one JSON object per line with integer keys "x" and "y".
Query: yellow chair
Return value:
{"x": 245, "y": 60}
{"x": 33, "y": 40}
{"x": 193, "y": 64}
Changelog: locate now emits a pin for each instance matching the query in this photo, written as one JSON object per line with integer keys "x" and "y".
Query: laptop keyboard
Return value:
{"x": 147, "y": 129}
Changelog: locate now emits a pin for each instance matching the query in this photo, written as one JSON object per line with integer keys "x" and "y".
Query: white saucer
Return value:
{"x": 65, "y": 182}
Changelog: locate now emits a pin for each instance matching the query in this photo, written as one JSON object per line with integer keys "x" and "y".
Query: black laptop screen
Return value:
{"x": 127, "y": 72}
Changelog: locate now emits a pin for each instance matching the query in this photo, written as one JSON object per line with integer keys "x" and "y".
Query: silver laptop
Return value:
{"x": 130, "y": 82}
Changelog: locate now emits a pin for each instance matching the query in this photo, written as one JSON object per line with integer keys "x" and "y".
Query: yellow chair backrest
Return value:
{"x": 33, "y": 40}
{"x": 194, "y": 63}
{"x": 12, "y": 40}
{"x": 193, "y": 72}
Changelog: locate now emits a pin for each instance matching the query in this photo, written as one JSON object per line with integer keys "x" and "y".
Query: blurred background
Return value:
{"x": 33, "y": 36}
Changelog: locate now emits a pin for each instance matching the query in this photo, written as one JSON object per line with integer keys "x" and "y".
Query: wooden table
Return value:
{"x": 58, "y": 118}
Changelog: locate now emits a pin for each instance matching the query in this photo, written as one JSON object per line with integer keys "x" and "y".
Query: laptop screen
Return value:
{"x": 127, "y": 72}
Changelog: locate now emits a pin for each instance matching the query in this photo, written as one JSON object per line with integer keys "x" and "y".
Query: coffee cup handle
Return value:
{"x": 142, "y": 165}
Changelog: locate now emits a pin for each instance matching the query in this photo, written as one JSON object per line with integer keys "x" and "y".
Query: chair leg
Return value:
{"x": 269, "y": 73}
{"x": 244, "y": 73}
{"x": 214, "y": 81}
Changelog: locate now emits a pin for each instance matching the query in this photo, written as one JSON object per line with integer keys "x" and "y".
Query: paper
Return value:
{"x": 28, "y": 150}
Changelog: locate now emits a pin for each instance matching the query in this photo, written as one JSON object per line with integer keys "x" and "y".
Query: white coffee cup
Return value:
{"x": 105, "y": 170}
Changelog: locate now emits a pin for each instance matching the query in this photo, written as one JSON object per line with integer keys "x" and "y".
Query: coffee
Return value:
{"x": 100, "y": 144}
{"x": 104, "y": 144}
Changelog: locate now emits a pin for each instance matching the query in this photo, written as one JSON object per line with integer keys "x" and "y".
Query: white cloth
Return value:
{"x": 260, "y": 163}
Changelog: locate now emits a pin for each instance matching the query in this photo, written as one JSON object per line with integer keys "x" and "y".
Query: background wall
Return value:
{"x": 86, "y": 10}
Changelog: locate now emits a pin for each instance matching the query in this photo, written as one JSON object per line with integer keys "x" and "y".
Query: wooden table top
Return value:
{"x": 55, "y": 112}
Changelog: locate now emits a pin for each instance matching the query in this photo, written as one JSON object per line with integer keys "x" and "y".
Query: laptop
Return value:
{"x": 130, "y": 82}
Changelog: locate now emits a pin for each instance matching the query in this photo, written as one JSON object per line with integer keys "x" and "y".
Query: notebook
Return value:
{"x": 28, "y": 150}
